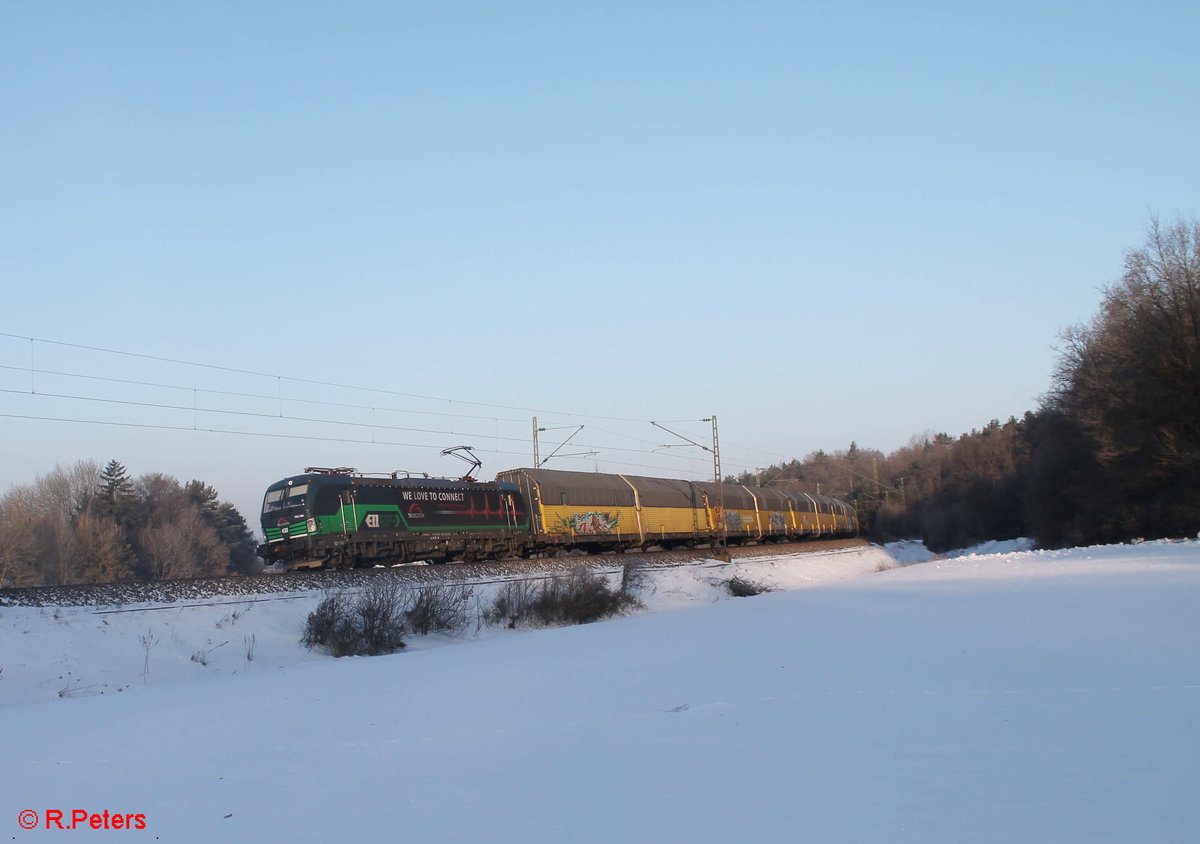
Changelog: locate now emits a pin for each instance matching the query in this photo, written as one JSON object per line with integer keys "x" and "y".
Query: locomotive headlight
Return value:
{"x": 312, "y": 525}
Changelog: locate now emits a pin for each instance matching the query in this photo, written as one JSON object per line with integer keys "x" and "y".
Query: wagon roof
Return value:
{"x": 584, "y": 488}
{"x": 665, "y": 492}
{"x": 733, "y": 496}
{"x": 559, "y": 486}
{"x": 770, "y": 498}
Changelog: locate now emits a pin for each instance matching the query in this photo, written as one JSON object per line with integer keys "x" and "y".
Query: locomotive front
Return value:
{"x": 288, "y": 520}
{"x": 341, "y": 517}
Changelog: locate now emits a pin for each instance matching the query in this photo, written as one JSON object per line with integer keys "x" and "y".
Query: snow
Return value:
{"x": 84, "y": 651}
{"x": 1023, "y": 696}
{"x": 907, "y": 551}
{"x": 1004, "y": 546}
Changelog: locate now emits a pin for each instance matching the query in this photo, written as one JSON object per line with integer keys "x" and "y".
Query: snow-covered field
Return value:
{"x": 1019, "y": 696}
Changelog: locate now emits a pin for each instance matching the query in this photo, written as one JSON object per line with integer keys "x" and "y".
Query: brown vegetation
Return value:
{"x": 84, "y": 524}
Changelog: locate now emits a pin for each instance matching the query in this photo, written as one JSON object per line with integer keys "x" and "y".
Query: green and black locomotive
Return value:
{"x": 336, "y": 517}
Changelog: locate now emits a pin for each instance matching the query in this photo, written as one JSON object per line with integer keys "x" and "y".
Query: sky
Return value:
{"x": 823, "y": 223}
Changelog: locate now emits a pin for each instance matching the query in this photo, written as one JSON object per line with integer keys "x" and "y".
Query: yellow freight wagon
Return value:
{"x": 597, "y": 512}
{"x": 740, "y": 514}
{"x": 774, "y": 512}
{"x": 669, "y": 511}
{"x": 804, "y": 510}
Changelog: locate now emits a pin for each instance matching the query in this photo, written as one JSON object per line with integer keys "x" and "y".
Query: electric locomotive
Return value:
{"x": 339, "y": 517}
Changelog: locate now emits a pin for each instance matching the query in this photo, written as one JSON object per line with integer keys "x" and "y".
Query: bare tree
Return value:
{"x": 1130, "y": 379}
{"x": 148, "y": 642}
{"x": 183, "y": 546}
{"x": 18, "y": 558}
{"x": 102, "y": 554}
{"x": 68, "y": 491}
{"x": 161, "y": 496}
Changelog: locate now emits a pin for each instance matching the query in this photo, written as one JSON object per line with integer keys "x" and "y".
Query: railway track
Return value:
{"x": 243, "y": 588}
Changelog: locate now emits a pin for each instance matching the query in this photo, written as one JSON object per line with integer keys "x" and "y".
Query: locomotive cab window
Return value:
{"x": 273, "y": 501}
{"x": 284, "y": 499}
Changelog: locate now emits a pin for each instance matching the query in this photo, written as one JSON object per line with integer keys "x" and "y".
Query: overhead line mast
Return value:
{"x": 720, "y": 550}
{"x": 716, "y": 450}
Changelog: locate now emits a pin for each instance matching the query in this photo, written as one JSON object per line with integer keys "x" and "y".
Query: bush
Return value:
{"x": 379, "y": 611}
{"x": 324, "y": 620}
{"x": 442, "y": 608}
{"x": 513, "y": 602}
{"x": 376, "y": 620}
{"x": 739, "y": 587}
{"x": 372, "y": 623}
{"x": 331, "y": 626}
{"x": 578, "y": 598}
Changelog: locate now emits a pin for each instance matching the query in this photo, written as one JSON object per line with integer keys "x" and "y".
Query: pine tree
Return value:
{"x": 231, "y": 528}
{"x": 203, "y": 496}
{"x": 116, "y": 497}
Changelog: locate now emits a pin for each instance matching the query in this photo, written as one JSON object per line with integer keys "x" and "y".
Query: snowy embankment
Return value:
{"x": 1036, "y": 696}
{"x": 82, "y": 651}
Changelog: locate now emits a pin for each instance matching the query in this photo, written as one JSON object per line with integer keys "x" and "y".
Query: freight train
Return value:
{"x": 340, "y": 517}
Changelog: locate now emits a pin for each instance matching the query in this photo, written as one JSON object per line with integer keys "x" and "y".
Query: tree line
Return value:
{"x": 1111, "y": 454}
{"x": 84, "y": 524}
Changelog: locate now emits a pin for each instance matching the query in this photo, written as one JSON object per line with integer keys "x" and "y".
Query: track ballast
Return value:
{"x": 201, "y": 589}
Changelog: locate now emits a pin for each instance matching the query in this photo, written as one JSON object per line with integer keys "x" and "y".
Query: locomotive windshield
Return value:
{"x": 285, "y": 499}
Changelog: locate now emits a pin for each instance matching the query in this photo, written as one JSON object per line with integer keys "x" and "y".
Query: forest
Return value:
{"x": 85, "y": 524}
{"x": 1112, "y": 453}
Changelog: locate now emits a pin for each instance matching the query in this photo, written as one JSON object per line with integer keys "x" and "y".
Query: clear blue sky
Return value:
{"x": 823, "y": 222}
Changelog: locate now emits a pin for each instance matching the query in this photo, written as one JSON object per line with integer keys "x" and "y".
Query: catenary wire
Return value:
{"x": 368, "y": 425}
{"x": 307, "y": 437}
{"x": 279, "y": 378}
